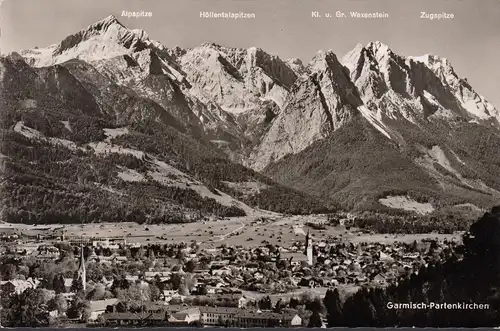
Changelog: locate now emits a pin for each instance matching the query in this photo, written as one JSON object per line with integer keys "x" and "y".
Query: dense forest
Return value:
{"x": 406, "y": 222}
{"x": 53, "y": 184}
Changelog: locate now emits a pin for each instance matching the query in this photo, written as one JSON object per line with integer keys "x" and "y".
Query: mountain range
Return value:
{"x": 111, "y": 125}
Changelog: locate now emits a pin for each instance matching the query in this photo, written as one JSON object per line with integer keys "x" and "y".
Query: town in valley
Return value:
{"x": 272, "y": 270}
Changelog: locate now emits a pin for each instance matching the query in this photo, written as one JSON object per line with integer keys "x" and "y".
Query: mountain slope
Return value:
{"x": 319, "y": 104}
{"x": 146, "y": 68}
{"x": 435, "y": 141}
{"x": 368, "y": 128}
{"x": 357, "y": 166}
{"x": 77, "y": 147}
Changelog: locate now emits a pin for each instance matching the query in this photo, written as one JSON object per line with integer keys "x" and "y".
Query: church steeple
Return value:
{"x": 82, "y": 273}
{"x": 309, "y": 249}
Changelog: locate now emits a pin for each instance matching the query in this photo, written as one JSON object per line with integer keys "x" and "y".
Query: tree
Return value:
{"x": 183, "y": 290}
{"x": 155, "y": 292}
{"x": 202, "y": 289}
{"x": 77, "y": 284}
{"x": 483, "y": 243}
{"x": 79, "y": 309}
{"x": 134, "y": 293}
{"x": 99, "y": 291}
{"x": 315, "y": 320}
{"x": 58, "y": 303}
{"x": 176, "y": 281}
{"x": 333, "y": 308}
{"x": 265, "y": 303}
{"x": 28, "y": 309}
{"x": 315, "y": 305}
{"x": 9, "y": 271}
{"x": 278, "y": 306}
{"x": 58, "y": 284}
{"x": 190, "y": 266}
{"x": 181, "y": 255}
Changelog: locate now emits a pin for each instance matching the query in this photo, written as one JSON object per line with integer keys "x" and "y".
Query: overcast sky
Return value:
{"x": 471, "y": 41}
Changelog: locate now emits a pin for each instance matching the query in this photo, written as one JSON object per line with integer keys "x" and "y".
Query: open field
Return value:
{"x": 282, "y": 231}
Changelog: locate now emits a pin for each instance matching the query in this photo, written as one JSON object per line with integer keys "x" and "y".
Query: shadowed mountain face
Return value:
{"x": 363, "y": 131}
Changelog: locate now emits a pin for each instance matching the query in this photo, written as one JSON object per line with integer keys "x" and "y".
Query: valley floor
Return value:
{"x": 245, "y": 231}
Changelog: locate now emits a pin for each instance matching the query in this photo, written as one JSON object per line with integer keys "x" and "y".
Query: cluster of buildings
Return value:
{"x": 178, "y": 315}
{"x": 18, "y": 286}
{"x": 223, "y": 274}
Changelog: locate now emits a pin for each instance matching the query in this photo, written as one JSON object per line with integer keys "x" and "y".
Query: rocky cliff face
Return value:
{"x": 319, "y": 103}
{"x": 387, "y": 89}
{"x": 414, "y": 88}
{"x": 236, "y": 79}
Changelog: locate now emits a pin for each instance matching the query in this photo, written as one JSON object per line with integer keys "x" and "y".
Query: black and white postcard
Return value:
{"x": 249, "y": 163}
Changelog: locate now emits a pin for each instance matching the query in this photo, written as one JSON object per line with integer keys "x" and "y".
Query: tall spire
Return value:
{"x": 309, "y": 249}
{"x": 82, "y": 273}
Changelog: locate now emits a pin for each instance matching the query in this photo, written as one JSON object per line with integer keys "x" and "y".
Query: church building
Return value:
{"x": 309, "y": 249}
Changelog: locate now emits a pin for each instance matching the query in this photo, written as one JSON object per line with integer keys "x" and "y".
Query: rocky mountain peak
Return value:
{"x": 324, "y": 61}
{"x": 103, "y": 39}
{"x": 272, "y": 66}
{"x": 176, "y": 52}
{"x": 109, "y": 19}
{"x": 336, "y": 124}
{"x": 296, "y": 65}
{"x": 110, "y": 30}
{"x": 378, "y": 48}
{"x": 432, "y": 60}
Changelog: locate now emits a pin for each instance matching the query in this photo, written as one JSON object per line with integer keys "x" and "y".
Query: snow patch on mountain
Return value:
{"x": 407, "y": 203}
{"x": 413, "y": 88}
{"x": 27, "y": 104}
{"x": 440, "y": 111}
{"x": 39, "y": 57}
{"x": 469, "y": 206}
{"x": 296, "y": 65}
{"x": 437, "y": 155}
{"x": 214, "y": 79}
{"x": 434, "y": 156}
{"x": 320, "y": 102}
{"x": 104, "y": 39}
{"x": 130, "y": 175}
{"x": 164, "y": 173}
{"x": 247, "y": 188}
{"x": 102, "y": 147}
{"x": 114, "y": 133}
